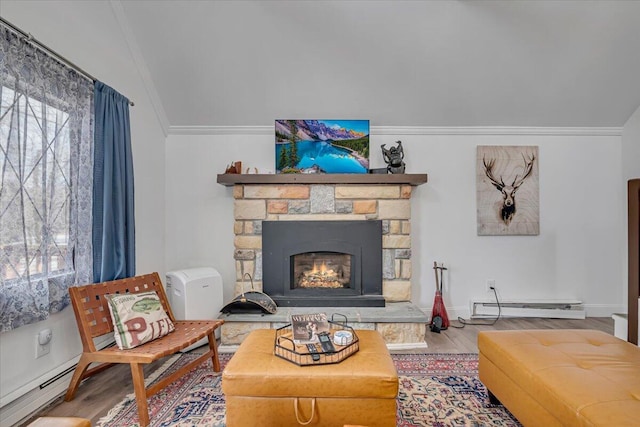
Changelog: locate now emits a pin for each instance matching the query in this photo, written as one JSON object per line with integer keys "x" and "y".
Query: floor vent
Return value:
{"x": 557, "y": 309}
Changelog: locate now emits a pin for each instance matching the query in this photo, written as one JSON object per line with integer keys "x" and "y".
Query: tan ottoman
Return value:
{"x": 562, "y": 377}
{"x": 262, "y": 389}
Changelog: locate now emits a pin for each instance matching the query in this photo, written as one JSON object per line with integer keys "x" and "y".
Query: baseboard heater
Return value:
{"x": 557, "y": 309}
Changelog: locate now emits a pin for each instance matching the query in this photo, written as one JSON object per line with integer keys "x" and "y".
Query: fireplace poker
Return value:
{"x": 439, "y": 317}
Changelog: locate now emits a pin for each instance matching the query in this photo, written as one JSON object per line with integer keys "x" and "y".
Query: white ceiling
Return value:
{"x": 397, "y": 63}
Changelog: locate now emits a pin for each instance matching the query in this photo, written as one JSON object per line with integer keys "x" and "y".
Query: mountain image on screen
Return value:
{"x": 322, "y": 146}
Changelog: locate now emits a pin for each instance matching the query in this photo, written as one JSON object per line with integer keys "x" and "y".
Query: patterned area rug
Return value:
{"x": 435, "y": 390}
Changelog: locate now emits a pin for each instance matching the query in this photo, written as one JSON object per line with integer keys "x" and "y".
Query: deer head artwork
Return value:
{"x": 508, "y": 209}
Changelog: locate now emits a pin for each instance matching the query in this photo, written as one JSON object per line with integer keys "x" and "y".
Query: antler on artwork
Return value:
{"x": 488, "y": 170}
{"x": 527, "y": 171}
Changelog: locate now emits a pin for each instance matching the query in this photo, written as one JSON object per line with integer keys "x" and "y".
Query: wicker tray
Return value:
{"x": 285, "y": 348}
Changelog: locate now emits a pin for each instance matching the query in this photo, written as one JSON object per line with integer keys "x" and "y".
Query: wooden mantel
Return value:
{"x": 230, "y": 179}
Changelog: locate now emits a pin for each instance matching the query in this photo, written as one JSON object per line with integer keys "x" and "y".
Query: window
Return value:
{"x": 46, "y": 182}
{"x": 35, "y": 195}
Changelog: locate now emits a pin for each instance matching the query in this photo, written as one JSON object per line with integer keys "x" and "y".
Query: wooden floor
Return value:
{"x": 465, "y": 340}
{"x": 103, "y": 391}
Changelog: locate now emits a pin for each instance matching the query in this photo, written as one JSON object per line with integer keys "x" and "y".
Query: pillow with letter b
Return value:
{"x": 138, "y": 318}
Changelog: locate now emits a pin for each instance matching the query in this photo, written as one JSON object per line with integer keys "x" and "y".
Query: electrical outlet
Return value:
{"x": 491, "y": 284}
{"x": 43, "y": 343}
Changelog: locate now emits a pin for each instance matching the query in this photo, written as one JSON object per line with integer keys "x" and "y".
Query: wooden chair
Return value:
{"x": 94, "y": 320}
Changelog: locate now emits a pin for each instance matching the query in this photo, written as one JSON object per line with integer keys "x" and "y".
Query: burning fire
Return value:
{"x": 322, "y": 270}
{"x": 320, "y": 276}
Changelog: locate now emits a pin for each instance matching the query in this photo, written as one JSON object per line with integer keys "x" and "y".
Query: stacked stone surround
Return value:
{"x": 389, "y": 203}
{"x": 254, "y": 203}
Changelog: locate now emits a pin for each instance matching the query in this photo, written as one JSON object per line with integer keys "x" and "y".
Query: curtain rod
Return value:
{"x": 37, "y": 43}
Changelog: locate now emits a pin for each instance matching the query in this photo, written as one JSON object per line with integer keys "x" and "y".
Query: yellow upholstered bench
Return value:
{"x": 264, "y": 390}
{"x": 562, "y": 377}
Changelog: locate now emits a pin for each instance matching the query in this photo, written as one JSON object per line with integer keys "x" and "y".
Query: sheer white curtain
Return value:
{"x": 46, "y": 182}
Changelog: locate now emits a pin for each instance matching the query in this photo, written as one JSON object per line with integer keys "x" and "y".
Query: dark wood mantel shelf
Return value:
{"x": 231, "y": 179}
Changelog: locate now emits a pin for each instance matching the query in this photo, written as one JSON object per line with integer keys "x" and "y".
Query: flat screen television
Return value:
{"x": 322, "y": 146}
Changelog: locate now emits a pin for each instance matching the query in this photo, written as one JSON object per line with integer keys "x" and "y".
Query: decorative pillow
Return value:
{"x": 138, "y": 318}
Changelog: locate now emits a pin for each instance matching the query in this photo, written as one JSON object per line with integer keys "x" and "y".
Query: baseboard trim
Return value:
{"x": 19, "y": 410}
{"x": 592, "y": 310}
{"x": 35, "y": 384}
{"x": 18, "y": 406}
{"x": 603, "y": 310}
{"x": 408, "y": 346}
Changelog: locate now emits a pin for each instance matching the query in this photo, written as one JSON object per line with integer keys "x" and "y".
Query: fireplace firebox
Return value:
{"x": 323, "y": 263}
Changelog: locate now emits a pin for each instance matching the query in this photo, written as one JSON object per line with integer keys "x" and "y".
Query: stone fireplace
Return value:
{"x": 323, "y": 263}
{"x": 266, "y": 205}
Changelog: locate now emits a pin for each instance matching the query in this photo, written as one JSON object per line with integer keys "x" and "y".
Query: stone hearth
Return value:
{"x": 401, "y": 324}
{"x": 326, "y": 198}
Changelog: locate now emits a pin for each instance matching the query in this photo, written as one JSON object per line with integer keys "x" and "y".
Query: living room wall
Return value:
{"x": 90, "y": 37}
{"x": 631, "y": 147}
{"x": 577, "y": 255}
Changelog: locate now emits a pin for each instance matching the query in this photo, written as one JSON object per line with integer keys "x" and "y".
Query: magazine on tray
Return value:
{"x": 306, "y": 327}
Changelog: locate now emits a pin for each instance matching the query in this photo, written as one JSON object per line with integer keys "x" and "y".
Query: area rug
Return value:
{"x": 435, "y": 390}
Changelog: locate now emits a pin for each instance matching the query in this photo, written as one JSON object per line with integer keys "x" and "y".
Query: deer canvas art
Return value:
{"x": 507, "y": 190}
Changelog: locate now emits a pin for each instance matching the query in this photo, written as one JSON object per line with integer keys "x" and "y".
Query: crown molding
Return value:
{"x": 415, "y": 130}
{"x": 141, "y": 65}
{"x": 495, "y": 130}
{"x": 221, "y": 130}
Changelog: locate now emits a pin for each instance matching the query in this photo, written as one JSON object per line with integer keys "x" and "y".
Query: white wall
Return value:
{"x": 577, "y": 254}
{"x": 97, "y": 45}
{"x": 199, "y": 211}
{"x": 631, "y": 147}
